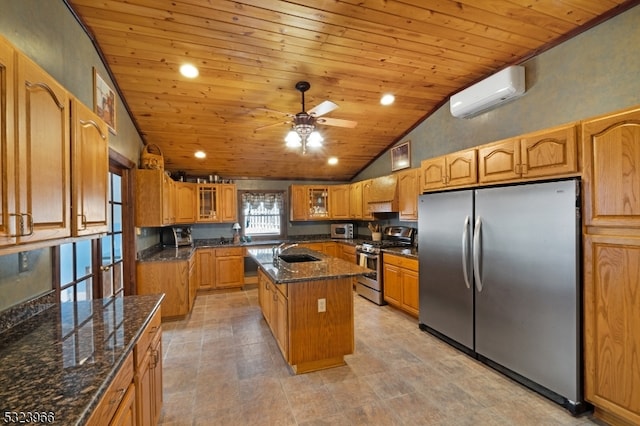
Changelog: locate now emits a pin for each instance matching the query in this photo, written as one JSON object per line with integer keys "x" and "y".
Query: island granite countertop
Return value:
{"x": 326, "y": 267}
{"x": 61, "y": 361}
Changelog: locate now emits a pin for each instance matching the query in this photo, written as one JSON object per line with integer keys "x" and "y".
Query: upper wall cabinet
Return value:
{"x": 408, "y": 191}
{"x": 90, "y": 163}
{"x": 309, "y": 202}
{"x": 8, "y": 216}
{"x": 456, "y": 169}
{"x": 355, "y": 200}
{"x": 339, "y": 196}
{"x": 154, "y": 198}
{"x": 611, "y": 174}
{"x": 217, "y": 202}
{"x": 43, "y": 168}
{"x": 551, "y": 152}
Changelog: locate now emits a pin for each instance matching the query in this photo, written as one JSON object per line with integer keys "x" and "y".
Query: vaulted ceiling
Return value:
{"x": 251, "y": 54}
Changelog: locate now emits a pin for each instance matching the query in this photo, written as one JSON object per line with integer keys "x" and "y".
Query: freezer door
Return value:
{"x": 446, "y": 294}
{"x": 527, "y": 312}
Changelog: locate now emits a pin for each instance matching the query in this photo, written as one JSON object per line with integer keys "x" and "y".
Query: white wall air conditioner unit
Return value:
{"x": 501, "y": 87}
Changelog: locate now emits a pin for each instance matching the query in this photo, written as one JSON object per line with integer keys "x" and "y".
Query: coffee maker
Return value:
{"x": 176, "y": 236}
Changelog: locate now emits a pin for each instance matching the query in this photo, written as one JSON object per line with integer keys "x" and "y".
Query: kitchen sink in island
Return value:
{"x": 308, "y": 305}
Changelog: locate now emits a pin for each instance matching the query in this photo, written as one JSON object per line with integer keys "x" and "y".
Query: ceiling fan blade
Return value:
{"x": 322, "y": 109}
{"x": 337, "y": 122}
{"x": 280, "y": 123}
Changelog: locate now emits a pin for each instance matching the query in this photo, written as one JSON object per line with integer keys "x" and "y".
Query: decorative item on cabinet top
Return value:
{"x": 151, "y": 157}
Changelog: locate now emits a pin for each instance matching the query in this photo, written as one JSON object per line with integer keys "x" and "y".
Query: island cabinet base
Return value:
{"x": 312, "y": 321}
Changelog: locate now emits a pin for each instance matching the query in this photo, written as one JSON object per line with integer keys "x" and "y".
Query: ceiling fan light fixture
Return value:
{"x": 293, "y": 139}
{"x": 314, "y": 140}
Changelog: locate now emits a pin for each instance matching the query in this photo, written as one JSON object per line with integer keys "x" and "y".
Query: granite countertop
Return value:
{"x": 411, "y": 253}
{"x": 166, "y": 254}
{"x": 63, "y": 359}
{"x": 327, "y": 267}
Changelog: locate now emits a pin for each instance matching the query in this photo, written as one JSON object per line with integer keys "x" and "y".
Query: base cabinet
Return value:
{"x": 116, "y": 403}
{"x": 401, "y": 282}
{"x": 176, "y": 279}
{"x": 148, "y": 379}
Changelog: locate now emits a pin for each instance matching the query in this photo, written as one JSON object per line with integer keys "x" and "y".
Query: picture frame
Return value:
{"x": 104, "y": 101}
{"x": 401, "y": 156}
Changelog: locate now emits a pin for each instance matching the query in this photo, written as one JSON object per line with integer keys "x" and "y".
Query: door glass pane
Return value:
{"x": 83, "y": 258}
{"x": 66, "y": 264}
{"x": 117, "y": 185}
{"x": 117, "y": 278}
{"x": 66, "y": 295}
{"x": 107, "y": 284}
{"x": 117, "y": 218}
{"x": 84, "y": 290}
{"x": 117, "y": 247}
{"x": 107, "y": 256}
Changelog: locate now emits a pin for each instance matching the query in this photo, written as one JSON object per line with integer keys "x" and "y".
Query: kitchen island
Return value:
{"x": 308, "y": 306}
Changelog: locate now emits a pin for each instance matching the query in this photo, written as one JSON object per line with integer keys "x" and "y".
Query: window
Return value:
{"x": 111, "y": 262}
{"x": 263, "y": 213}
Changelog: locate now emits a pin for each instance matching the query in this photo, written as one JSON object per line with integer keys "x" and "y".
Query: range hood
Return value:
{"x": 383, "y": 196}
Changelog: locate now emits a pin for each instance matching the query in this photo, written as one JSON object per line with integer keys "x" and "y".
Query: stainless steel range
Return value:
{"x": 370, "y": 286}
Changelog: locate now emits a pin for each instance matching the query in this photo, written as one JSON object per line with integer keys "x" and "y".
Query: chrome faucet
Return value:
{"x": 280, "y": 248}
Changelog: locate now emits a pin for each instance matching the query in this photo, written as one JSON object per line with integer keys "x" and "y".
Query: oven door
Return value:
{"x": 370, "y": 261}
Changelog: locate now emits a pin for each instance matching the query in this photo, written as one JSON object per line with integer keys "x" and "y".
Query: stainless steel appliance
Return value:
{"x": 176, "y": 236}
{"x": 342, "y": 230}
{"x": 499, "y": 279}
{"x": 370, "y": 286}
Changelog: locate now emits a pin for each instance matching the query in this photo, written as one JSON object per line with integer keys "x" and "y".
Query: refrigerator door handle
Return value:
{"x": 476, "y": 253}
{"x": 465, "y": 251}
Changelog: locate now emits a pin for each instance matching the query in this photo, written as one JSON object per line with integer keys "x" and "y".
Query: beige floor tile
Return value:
{"x": 222, "y": 366}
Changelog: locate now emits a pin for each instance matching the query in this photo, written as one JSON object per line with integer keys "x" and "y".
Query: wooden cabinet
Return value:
{"x": 339, "y": 196}
{"x": 408, "y": 191}
{"x": 456, "y": 169}
{"x": 611, "y": 183}
{"x": 126, "y": 413}
{"x": 154, "y": 198}
{"x": 176, "y": 279}
{"x": 228, "y": 202}
{"x": 229, "y": 267}
{"x": 401, "y": 282}
{"x": 207, "y": 202}
{"x": 185, "y": 202}
{"x": 90, "y": 162}
{"x": 119, "y": 396}
{"x": 551, "y": 152}
{"x": 148, "y": 378}
{"x": 9, "y": 218}
{"x": 309, "y": 202}
{"x": 206, "y": 266}
{"x": 367, "y": 186}
{"x": 274, "y": 304}
{"x": 355, "y": 200}
{"x": 347, "y": 252}
{"x": 330, "y": 248}
{"x": 36, "y": 181}
{"x": 216, "y": 203}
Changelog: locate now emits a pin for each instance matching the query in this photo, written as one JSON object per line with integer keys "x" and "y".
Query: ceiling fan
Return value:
{"x": 303, "y": 124}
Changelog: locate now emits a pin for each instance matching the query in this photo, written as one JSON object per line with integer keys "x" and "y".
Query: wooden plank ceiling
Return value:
{"x": 251, "y": 54}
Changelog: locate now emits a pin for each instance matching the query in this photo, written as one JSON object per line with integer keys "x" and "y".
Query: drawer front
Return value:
{"x": 110, "y": 401}
{"x": 151, "y": 330}
{"x": 230, "y": 251}
{"x": 402, "y": 262}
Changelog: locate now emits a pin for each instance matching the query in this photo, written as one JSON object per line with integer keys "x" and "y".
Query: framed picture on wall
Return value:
{"x": 104, "y": 101}
{"x": 401, "y": 156}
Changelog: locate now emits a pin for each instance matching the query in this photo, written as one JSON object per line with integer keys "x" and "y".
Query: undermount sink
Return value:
{"x": 297, "y": 258}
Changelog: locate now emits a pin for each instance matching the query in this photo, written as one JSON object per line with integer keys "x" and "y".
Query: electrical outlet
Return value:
{"x": 23, "y": 261}
{"x": 322, "y": 305}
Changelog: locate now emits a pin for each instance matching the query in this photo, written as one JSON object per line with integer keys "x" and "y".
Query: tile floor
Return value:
{"x": 222, "y": 367}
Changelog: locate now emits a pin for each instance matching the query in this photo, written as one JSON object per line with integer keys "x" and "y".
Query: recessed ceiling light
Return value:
{"x": 200, "y": 154}
{"x": 189, "y": 71}
{"x": 333, "y": 161}
{"x": 387, "y": 99}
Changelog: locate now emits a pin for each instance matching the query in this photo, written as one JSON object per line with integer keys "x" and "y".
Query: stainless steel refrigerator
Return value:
{"x": 500, "y": 280}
